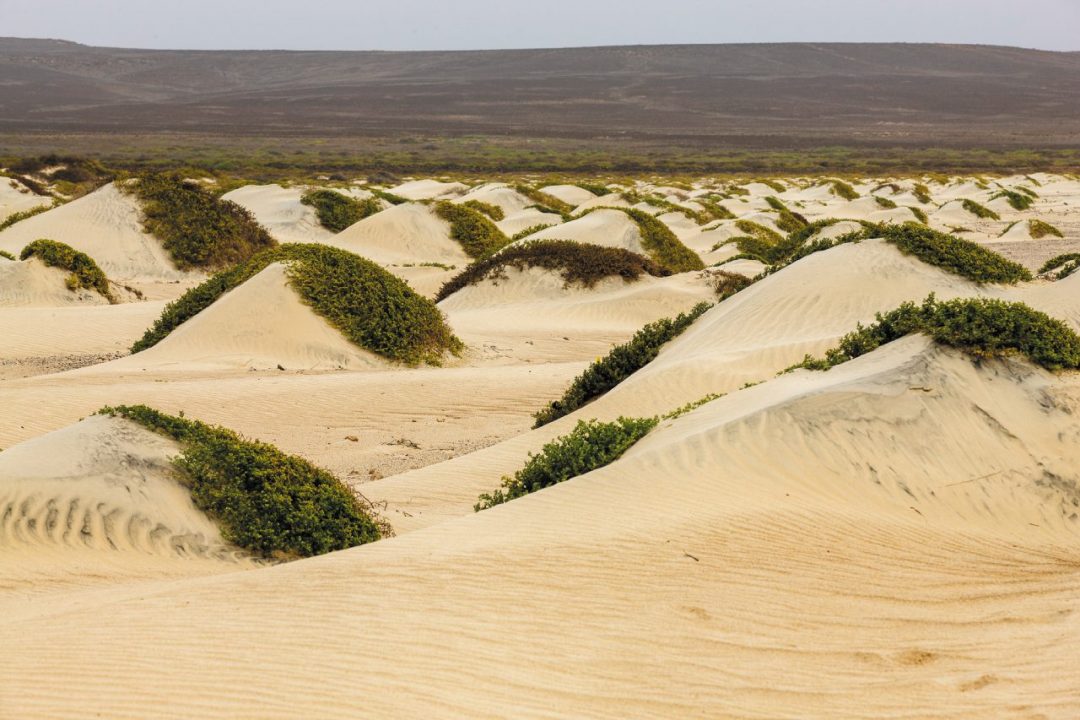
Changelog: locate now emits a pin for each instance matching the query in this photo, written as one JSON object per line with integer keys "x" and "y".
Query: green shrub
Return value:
{"x": 590, "y": 445}
{"x": 197, "y": 228}
{"x": 1027, "y": 191}
{"x": 1018, "y": 201}
{"x": 980, "y": 327}
{"x": 24, "y": 215}
{"x": 776, "y": 186}
{"x": 388, "y": 197}
{"x": 1039, "y": 229}
{"x": 595, "y": 188}
{"x": 492, "y": 211}
{"x": 372, "y": 308}
{"x": 787, "y": 221}
{"x": 269, "y": 503}
{"x": 885, "y": 203}
{"x": 476, "y": 234}
{"x": 529, "y": 231}
{"x": 619, "y": 364}
{"x": 922, "y": 193}
{"x": 633, "y": 197}
{"x": 578, "y": 263}
{"x": 544, "y": 202}
{"x": 960, "y": 257}
{"x": 843, "y": 190}
{"x": 920, "y": 215}
{"x": 727, "y": 284}
{"x": 662, "y": 244}
{"x": 7, "y": 255}
{"x": 84, "y": 271}
{"x": 714, "y": 209}
{"x": 336, "y": 211}
{"x": 979, "y": 211}
{"x": 762, "y": 233}
{"x": 1066, "y": 265}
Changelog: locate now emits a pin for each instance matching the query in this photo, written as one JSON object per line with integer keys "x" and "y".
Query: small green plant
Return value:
{"x": 273, "y": 505}
{"x": 843, "y": 190}
{"x": 85, "y": 273}
{"x": 1018, "y": 200}
{"x": 388, "y": 197}
{"x": 544, "y": 202}
{"x": 590, "y": 445}
{"x": 579, "y": 264}
{"x": 24, "y": 215}
{"x": 529, "y": 231}
{"x": 727, "y": 284}
{"x": 920, "y": 215}
{"x": 492, "y": 211}
{"x": 983, "y": 328}
{"x": 1039, "y": 229}
{"x": 979, "y": 211}
{"x": 370, "y": 307}
{"x": 476, "y": 234}
{"x": 922, "y": 193}
{"x": 884, "y": 202}
{"x": 1065, "y": 265}
{"x": 197, "y": 228}
{"x": 336, "y": 211}
{"x": 619, "y": 364}
{"x": 5, "y": 254}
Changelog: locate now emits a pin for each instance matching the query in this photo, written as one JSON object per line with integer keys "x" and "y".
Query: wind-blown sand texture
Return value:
{"x": 896, "y": 537}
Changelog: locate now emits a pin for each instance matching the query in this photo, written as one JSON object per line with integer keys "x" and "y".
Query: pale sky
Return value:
{"x": 482, "y": 24}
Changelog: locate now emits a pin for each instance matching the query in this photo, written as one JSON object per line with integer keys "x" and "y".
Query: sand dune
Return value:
{"x": 607, "y": 228}
{"x": 33, "y": 284}
{"x": 428, "y": 189}
{"x": 280, "y": 211}
{"x": 571, "y": 194}
{"x": 104, "y": 225}
{"x": 407, "y": 233}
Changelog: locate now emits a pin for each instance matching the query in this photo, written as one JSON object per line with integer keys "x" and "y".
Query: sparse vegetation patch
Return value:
{"x": 476, "y": 234}
{"x": 23, "y": 215}
{"x": 85, "y": 273}
{"x": 1039, "y": 229}
{"x": 336, "y": 211}
{"x": 492, "y": 211}
{"x": 662, "y": 244}
{"x": 1018, "y": 200}
{"x": 979, "y": 211}
{"x": 1065, "y": 265}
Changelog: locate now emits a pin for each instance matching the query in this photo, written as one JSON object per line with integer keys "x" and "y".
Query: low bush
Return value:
{"x": 714, "y": 209}
{"x": 595, "y": 188}
{"x": 578, "y": 263}
{"x": 336, "y": 211}
{"x": 476, "y": 234}
{"x": 922, "y": 193}
{"x": 544, "y": 202}
{"x": 372, "y": 308}
{"x": 23, "y": 215}
{"x": 5, "y": 254}
{"x": 787, "y": 221}
{"x": 773, "y": 184}
{"x": 197, "y": 228}
{"x": 960, "y": 257}
{"x": 981, "y": 327}
{"x": 84, "y": 271}
{"x": 273, "y": 505}
{"x": 1018, "y": 200}
{"x": 388, "y": 197}
{"x": 662, "y": 244}
{"x": 920, "y": 215}
{"x": 492, "y": 211}
{"x": 619, "y": 364}
{"x": 727, "y": 284}
{"x": 884, "y": 202}
{"x": 590, "y": 445}
{"x": 979, "y": 211}
{"x": 1039, "y": 229}
{"x": 843, "y": 190}
{"x": 1065, "y": 265}
{"x": 529, "y": 231}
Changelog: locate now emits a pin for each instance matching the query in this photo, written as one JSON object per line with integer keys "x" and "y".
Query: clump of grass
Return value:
{"x": 476, "y": 234}
{"x": 1039, "y": 229}
{"x": 5, "y": 254}
{"x": 336, "y": 211}
{"x": 273, "y": 505}
{"x": 787, "y": 221}
{"x": 85, "y": 273}
{"x": 922, "y": 193}
{"x": 714, "y": 209}
{"x": 727, "y": 283}
{"x": 884, "y": 202}
{"x": 578, "y": 264}
{"x": 1065, "y": 264}
{"x": 595, "y": 188}
{"x": 1018, "y": 200}
{"x": 979, "y": 211}
{"x": 662, "y": 244}
{"x": 529, "y": 231}
{"x": 544, "y": 202}
{"x": 843, "y": 190}
{"x": 920, "y": 215}
{"x": 981, "y": 327}
{"x": 619, "y": 364}
{"x": 388, "y": 197}
{"x": 197, "y": 228}
{"x": 370, "y": 307}
{"x": 773, "y": 184}
{"x": 590, "y": 445}
{"x": 492, "y": 211}
{"x": 24, "y": 215}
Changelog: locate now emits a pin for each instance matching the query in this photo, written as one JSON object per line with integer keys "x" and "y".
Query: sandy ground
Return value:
{"x": 893, "y": 538}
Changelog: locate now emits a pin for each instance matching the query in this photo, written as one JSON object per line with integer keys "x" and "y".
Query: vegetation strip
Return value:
{"x": 271, "y": 504}
{"x": 476, "y": 234}
{"x": 983, "y": 328}
{"x": 372, "y": 308}
{"x": 336, "y": 211}
{"x": 85, "y": 273}
{"x": 579, "y": 264}
{"x": 619, "y": 364}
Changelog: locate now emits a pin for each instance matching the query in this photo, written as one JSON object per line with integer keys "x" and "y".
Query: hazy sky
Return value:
{"x": 463, "y": 24}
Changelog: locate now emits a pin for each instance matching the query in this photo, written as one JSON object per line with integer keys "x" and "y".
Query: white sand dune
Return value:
{"x": 105, "y": 225}
{"x": 406, "y": 233}
{"x": 606, "y": 228}
{"x": 570, "y": 194}
{"x": 280, "y": 211}
{"x": 511, "y": 225}
{"x": 261, "y": 324}
{"x": 500, "y": 195}
{"x": 33, "y": 284}
{"x": 428, "y": 189}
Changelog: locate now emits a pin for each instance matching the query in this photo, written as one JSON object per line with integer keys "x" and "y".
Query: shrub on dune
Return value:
{"x": 981, "y": 327}
{"x": 1065, "y": 265}
{"x": 370, "y": 307}
{"x": 544, "y": 202}
{"x": 727, "y": 284}
{"x": 980, "y": 211}
{"x": 578, "y": 264}
{"x": 590, "y": 445}
{"x": 595, "y": 188}
{"x": 476, "y": 234}
{"x": 619, "y": 364}
{"x": 843, "y": 190}
{"x": 336, "y": 211}
{"x": 388, "y": 197}
{"x": 492, "y": 211}
{"x": 6, "y": 255}
{"x": 269, "y": 503}
{"x": 197, "y": 228}
{"x": 1039, "y": 229}
{"x": 884, "y": 202}
{"x": 85, "y": 273}
{"x": 529, "y": 231}
{"x": 663, "y": 245}
{"x": 24, "y": 215}
{"x": 1018, "y": 200}
{"x": 922, "y": 193}
{"x": 960, "y": 257}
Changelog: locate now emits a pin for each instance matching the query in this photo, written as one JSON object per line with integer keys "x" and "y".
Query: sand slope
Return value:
{"x": 607, "y": 228}
{"x": 33, "y": 284}
{"x": 407, "y": 233}
{"x": 14, "y": 197}
{"x": 280, "y": 211}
